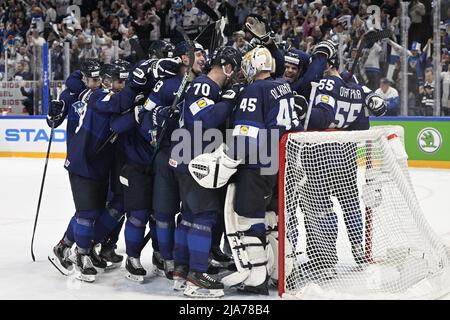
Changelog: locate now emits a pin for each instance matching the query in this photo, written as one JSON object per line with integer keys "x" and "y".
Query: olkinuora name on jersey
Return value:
{"x": 350, "y": 93}
{"x": 281, "y": 90}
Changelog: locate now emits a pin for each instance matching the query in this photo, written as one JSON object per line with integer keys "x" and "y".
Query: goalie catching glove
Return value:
{"x": 259, "y": 29}
{"x": 213, "y": 170}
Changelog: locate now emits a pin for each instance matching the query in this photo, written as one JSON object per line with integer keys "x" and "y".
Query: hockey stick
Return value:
{"x": 312, "y": 95}
{"x": 42, "y": 188}
{"x": 367, "y": 40}
{"x": 203, "y": 6}
{"x": 181, "y": 90}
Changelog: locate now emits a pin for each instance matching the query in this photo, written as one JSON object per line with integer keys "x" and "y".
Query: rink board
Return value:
{"x": 427, "y": 139}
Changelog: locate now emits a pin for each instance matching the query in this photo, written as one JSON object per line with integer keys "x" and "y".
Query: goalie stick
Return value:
{"x": 367, "y": 40}
{"x": 42, "y": 188}
{"x": 181, "y": 90}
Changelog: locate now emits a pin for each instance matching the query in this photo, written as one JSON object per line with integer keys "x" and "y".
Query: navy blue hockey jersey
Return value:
{"x": 137, "y": 142}
{"x": 264, "y": 104}
{"x": 94, "y": 129}
{"x": 339, "y": 105}
{"x": 74, "y": 86}
{"x": 314, "y": 72}
{"x": 202, "y": 105}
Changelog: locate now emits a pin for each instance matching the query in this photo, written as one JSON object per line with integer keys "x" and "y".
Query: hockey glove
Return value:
{"x": 140, "y": 99}
{"x": 326, "y": 47}
{"x": 258, "y": 29}
{"x": 300, "y": 106}
{"x": 164, "y": 68}
{"x": 56, "y": 110}
{"x": 140, "y": 73}
{"x": 165, "y": 115}
{"x": 213, "y": 170}
{"x": 232, "y": 94}
{"x": 376, "y": 104}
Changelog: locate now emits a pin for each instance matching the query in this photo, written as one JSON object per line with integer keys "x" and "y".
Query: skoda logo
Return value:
{"x": 429, "y": 140}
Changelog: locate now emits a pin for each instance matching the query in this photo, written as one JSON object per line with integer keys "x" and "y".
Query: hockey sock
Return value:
{"x": 113, "y": 236}
{"x": 135, "y": 230}
{"x": 352, "y": 215}
{"x": 199, "y": 240}
{"x": 69, "y": 236}
{"x": 180, "y": 250}
{"x": 84, "y": 229}
{"x": 322, "y": 234}
{"x": 165, "y": 230}
{"x": 106, "y": 223}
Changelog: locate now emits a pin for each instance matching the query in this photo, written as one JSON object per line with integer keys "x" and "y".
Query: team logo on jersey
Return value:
{"x": 429, "y": 140}
{"x": 325, "y": 99}
{"x": 201, "y": 103}
{"x": 243, "y": 131}
{"x": 80, "y": 107}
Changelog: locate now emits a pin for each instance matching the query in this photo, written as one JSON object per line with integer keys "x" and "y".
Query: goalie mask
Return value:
{"x": 257, "y": 60}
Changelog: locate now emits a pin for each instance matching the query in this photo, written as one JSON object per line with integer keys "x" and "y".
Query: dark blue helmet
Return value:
{"x": 160, "y": 49}
{"x": 116, "y": 70}
{"x": 227, "y": 55}
{"x": 90, "y": 68}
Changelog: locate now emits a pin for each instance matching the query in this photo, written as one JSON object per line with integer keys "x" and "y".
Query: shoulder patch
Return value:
{"x": 324, "y": 98}
{"x": 199, "y": 105}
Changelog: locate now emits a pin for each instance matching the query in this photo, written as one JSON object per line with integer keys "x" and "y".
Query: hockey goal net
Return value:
{"x": 350, "y": 225}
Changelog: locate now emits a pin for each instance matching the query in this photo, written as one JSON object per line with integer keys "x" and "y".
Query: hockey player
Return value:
{"x": 110, "y": 223}
{"x": 302, "y": 69}
{"x": 264, "y": 108}
{"x": 89, "y": 163}
{"x": 166, "y": 198}
{"x": 66, "y": 107}
{"x": 343, "y": 105}
{"x": 205, "y": 107}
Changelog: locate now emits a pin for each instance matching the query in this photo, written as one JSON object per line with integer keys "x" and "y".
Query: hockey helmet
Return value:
{"x": 227, "y": 55}
{"x": 182, "y": 48}
{"x": 90, "y": 68}
{"x": 116, "y": 70}
{"x": 161, "y": 49}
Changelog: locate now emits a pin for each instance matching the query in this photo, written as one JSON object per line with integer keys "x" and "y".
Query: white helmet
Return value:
{"x": 257, "y": 60}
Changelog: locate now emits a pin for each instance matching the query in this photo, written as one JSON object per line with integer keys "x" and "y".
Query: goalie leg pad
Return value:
{"x": 249, "y": 251}
{"x": 272, "y": 241}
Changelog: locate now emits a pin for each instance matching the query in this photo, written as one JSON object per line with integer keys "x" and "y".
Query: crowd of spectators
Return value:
{"x": 105, "y": 28}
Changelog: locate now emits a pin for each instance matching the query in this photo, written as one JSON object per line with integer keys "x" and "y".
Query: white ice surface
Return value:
{"x": 20, "y": 278}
